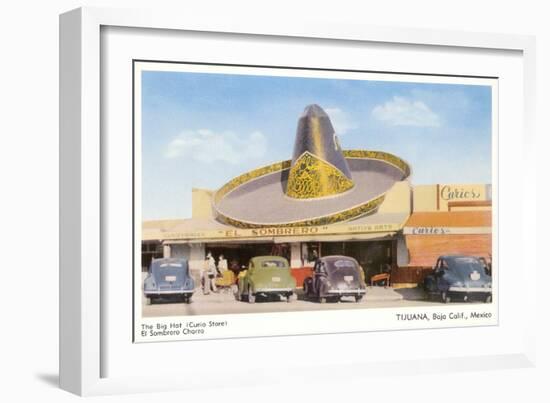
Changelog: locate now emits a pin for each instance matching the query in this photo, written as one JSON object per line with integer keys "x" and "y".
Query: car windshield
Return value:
{"x": 167, "y": 267}
{"x": 340, "y": 264}
{"x": 270, "y": 264}
{"x": 466, "y": 265}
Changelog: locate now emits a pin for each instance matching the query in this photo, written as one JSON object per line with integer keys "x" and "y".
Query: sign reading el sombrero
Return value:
{"x": 321, "y": 185}
{"x": 239, "y": 233}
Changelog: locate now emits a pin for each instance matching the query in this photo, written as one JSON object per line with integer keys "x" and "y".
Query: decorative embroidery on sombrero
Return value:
{"x": 311, "y": 177}
{"x": 331, "y": 218}
{"x": 251, "y": 175}
{"x": 382, "y": 156}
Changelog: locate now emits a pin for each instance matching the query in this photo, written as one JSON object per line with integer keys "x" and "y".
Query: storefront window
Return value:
{"x": 282, "y": 249}
{"x": 149, "y": 251}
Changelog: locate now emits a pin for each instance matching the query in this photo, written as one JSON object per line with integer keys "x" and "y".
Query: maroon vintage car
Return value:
{"x": 335, "y": 277}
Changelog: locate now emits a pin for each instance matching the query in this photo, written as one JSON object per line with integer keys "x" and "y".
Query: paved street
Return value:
{"x": 225, "y": 302}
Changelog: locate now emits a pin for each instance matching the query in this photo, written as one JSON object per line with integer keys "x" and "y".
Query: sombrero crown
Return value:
{"x": 318, "y": 168}
{"x": 338, "y": 185}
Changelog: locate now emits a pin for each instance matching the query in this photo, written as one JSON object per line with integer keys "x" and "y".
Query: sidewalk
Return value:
{"x": 375, "y": 294}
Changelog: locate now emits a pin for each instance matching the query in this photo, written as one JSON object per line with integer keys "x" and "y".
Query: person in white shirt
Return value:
{"x": 222, "y": 264}
{"x": 209, "y": 274}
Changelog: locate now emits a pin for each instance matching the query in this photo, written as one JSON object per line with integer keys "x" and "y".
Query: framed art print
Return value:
{"x": 335, "y": 226}
{"x": 254, "y": 191}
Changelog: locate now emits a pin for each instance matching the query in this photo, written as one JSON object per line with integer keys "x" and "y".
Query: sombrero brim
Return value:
{"x": 257, "y": 198}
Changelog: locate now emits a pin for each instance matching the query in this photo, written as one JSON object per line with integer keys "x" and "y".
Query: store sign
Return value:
{"x": 446, "y": 230}
{"x": 428, "y": 230}
{"x": 274, "y": 232}
{"x": 458, "y": 193}
{"x": 452, "y": 193}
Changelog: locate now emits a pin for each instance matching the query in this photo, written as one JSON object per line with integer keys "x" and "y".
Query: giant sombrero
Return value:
{"x": 322, "y": 184}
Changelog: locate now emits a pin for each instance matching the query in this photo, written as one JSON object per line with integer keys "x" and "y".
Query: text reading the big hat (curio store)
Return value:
{"x": 183, "y": 328}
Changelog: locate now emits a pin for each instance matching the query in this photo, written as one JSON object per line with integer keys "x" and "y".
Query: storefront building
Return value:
{"x": 374, "y": 240}
{"x": 410, "y": 229}
{"x": 328, "y": 201}
{"x": 446, "y": 219}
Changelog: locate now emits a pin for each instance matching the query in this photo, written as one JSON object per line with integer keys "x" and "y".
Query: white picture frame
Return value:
{"x": 83, "y": 176}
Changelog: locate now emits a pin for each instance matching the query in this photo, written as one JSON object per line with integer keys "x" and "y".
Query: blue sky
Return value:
{"x": 202, "y": 129}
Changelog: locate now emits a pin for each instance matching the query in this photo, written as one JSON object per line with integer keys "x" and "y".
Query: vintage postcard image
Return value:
{"x": 278, "y": 201}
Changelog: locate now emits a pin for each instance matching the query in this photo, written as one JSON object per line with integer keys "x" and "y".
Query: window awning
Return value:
{"x": 336, "y": 238}
{"x": 374, "y": 226}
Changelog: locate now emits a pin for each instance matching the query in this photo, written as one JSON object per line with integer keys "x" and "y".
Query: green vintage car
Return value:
{"x": 266, "y": 276}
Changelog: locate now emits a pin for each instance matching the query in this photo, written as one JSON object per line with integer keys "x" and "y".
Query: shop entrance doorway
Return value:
{"x": 375, "y": 257}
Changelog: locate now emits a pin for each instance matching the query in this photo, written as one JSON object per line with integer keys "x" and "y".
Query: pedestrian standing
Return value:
{"x": 211, "y": 273}
{"x": 205, "y": 280}
{"x": 222, "y": 264}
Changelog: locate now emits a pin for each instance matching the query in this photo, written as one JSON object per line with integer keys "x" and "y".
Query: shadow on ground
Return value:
{"x": 49, "y": 379}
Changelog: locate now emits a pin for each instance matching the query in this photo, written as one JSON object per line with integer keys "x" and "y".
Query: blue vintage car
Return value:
{"x": 168, "y": 279}
{"x": 459, "y": 277}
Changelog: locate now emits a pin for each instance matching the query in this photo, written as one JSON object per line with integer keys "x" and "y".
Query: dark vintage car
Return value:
{"x": 266, "y": 276}
{"x": 168, "y": 279}
{"x": 459, "y": 278}
{"x": 335, "y": 277}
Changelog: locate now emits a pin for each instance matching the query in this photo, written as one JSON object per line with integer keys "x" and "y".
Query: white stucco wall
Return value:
{"x": 295, "y": 255}
{"x": 402, "y": 251}
{"x": 194, "y": 253}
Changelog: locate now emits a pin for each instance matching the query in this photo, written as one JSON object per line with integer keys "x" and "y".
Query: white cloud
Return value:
{"x": 401, "y": 111}
{"x": 341, "y": 121}
{"x": 207, "y": 146}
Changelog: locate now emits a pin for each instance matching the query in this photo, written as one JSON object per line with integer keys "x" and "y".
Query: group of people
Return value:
{"x": 210, "y": 272}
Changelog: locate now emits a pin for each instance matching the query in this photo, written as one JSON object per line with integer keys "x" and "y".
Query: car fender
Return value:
{"x": 241, "y": 282}
{"x": 443, "y": 284}
{"x": 189, "y": 284}
{"x": 250, "y": 284}
{"x": 429, "y": 283}
{"x": 148, "y": 283}
{"x": 323, "y": 286}
{"x": 291, "y": 282}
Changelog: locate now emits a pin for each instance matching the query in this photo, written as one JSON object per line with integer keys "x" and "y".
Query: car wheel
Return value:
{"x": 289, "y": 297}
{"x": 322, "y": 300}
{"x": 489, "y": 299}
{"x": 188, "y": 300}
{"x": 251, "y": 296}
{"x": 358, "y": 298}
{"x": 445, "y": 297}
